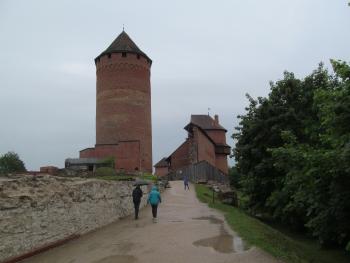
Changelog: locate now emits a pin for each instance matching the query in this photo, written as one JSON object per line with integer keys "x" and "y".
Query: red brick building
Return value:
{"x": 162, "y": 167}
{"x": 123, "y": 107}
{"x": 206, "y": 141}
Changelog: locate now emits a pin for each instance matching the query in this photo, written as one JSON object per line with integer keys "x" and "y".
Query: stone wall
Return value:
{"x": 36, "y": 211}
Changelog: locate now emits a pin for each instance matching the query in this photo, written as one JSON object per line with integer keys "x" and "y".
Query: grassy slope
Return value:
{"x": 118, "y": 177}
{"x": 254, "y": 232}
{"x": 115, "y": 177}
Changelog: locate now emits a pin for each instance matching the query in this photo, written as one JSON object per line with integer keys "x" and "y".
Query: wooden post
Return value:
{"x": 213, "y": 195}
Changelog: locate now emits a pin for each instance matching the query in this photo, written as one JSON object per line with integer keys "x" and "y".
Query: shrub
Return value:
{"x": 105, "y": 171}
{"x": 10, "y": 163}
{"x": 234, "y": 177}
{"x": 108, "y": 162}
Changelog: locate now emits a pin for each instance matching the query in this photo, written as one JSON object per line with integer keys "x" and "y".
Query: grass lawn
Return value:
{"x": 289, "y": 248}
{"x": 118, "y": 177}
{"x": 115, "y": 177}
{"x": 150, "y": 177}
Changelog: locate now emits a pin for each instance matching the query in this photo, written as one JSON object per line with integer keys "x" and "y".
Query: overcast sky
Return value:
{"x": 206, "y": 54}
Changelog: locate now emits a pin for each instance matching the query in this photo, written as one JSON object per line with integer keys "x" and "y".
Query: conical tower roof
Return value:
{"x": 123, "y": 43}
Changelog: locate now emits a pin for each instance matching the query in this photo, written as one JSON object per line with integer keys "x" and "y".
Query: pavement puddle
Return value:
{"x": 224, "y": 242}
{"x": 221, "y": 243}
{"x": 211, "y": 219}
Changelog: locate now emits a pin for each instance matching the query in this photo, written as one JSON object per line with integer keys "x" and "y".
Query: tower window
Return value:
{"x": 109, "y": 55}
{"x": 138, "y": 56}
{"x": 124, "y": 54}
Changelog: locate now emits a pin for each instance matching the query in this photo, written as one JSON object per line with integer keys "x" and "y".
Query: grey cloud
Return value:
{"x": 204, "y": 55}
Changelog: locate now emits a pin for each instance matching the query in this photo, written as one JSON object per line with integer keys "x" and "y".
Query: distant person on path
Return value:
{"x": 154, "y": 199}
{"x": 186, "y": 182}
{"x": 136, "y": 198}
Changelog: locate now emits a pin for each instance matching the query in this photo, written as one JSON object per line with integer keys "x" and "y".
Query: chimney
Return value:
{"x": 216, "y": 119}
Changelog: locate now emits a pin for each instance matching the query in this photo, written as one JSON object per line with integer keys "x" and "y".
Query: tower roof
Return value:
{"x": 206, "y": 122}
{"x": 123, "y": 43}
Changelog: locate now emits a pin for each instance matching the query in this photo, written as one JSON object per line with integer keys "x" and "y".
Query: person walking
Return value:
{"x": 186, "y": 182}
{"x": 154, "y": 199}
{"x": 136, "y": 198}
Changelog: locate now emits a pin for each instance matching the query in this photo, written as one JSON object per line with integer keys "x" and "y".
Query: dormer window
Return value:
{"x": 124, "y": 54}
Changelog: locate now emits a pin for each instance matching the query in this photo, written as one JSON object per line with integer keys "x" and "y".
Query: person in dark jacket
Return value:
{"x": 186, "y": 182}
{"x": 136, "y": 198}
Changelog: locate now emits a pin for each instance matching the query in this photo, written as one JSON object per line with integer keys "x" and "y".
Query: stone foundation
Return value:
{"x": 36, "y": 211}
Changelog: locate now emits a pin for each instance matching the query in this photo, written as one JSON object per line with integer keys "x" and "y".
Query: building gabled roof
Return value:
{"x": 123, "y": 43}
{"x": 206, "y": 122}
{"x": 162, "y": 163}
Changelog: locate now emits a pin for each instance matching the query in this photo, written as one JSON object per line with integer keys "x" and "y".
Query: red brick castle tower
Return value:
{"x": 123, "y": 106}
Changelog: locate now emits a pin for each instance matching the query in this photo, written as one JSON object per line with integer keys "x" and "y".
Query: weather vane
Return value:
{"x": 208, "y": 111}
{"x": 123, "y": 27}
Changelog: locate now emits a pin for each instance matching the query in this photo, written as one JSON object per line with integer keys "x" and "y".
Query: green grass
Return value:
{"x": 289, "y": 248}
{"x": 105, "y": 171}
{"x": 150, "y": 177}
{"x": 115, "y": 177}
{"x": 123, "y": 177}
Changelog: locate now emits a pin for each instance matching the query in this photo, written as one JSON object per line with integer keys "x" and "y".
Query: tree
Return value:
{"x": 293, "y": 152}
{"x": 317, "y": 171}
{"x": 10, "y": 162}
{"x": 234, "y": 177}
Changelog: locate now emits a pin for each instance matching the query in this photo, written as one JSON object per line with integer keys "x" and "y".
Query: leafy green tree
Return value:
{"x": 10, "y": 162}
{"x": 293, "y": 153}
{"x": 259, "y": 130}
{"x": 234, "y": 177}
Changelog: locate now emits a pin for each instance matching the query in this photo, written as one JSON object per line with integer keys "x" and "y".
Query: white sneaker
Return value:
{"x": 155, "y": 220}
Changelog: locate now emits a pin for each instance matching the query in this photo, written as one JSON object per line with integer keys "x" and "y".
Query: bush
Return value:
{"x": 11, "y": 163}
{"x": 108, "y": 162}
{"x": 234, "y": 177}
{"x": 105, "y": 171}
{"x": 150, "y": 177}
{"x": 293, "y": 154}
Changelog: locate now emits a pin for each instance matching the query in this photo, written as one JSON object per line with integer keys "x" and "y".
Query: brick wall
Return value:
{"x": 161, "y": 171}
{"x": 206, "y": 149}
{"x": 126, "y": 154}
{"x": 123, "y": 105}
{"x": 221, "y": 163}
{"x": 180, "y": 157}
{"x": 218, "y": 136}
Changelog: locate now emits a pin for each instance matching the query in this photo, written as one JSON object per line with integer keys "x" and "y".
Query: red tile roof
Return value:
{"x": 206, "y": 122}
{"x": 162, "y": 163}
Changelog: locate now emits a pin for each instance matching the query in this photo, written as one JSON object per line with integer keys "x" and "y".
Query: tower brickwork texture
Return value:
{"x": 123, "y": 106}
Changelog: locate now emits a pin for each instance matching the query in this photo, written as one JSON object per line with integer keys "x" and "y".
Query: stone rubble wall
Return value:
{"x": 39, "y": 210}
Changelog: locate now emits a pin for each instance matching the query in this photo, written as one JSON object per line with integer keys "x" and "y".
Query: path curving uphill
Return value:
{"x": 187, "y": 231}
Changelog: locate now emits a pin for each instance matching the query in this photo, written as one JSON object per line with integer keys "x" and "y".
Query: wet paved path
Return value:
{"x": 187, "y": 231}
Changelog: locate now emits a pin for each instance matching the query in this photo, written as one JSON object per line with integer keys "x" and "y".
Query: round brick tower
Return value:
{"x": 123, "y": 103}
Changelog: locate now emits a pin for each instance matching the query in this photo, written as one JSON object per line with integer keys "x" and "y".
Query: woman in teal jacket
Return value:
{"x": 154, "y": 199}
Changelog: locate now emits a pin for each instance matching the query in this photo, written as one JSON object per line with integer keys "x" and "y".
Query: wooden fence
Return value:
{"x": 201, "y": 172}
